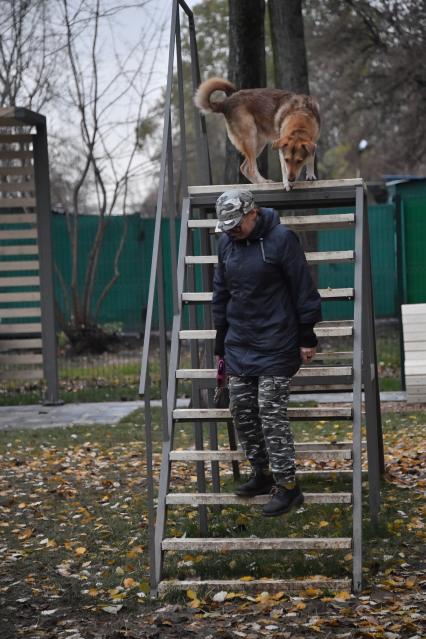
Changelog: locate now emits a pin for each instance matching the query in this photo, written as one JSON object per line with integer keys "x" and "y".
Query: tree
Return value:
{"x": 288, "y": 45}
{"x": 370, "y": 83}
{"x": 29, "y": 59}
{"x": 247, "y": 67}
{"x": 104, "y": 150}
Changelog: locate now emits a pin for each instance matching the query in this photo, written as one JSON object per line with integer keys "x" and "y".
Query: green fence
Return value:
{"x": 383, "y": 254}
{"x": 126, "y": 303}
{"x": 414, "y": 242}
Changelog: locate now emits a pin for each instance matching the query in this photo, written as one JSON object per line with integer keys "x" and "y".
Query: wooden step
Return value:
{"x": 255, "y": 585}
{"x": 303, "y": 195}
{"x": 297, "y": 222}
{"x": 238, "y": 455}
{"x": 299, "y": 413}
{"x": 325, "y": 293}
{"x": 208, "y": 544}
{"x": 323, "y": 329}
{"x": 322, "y": 257}
{"x": 227, "y": 499}
{"x": 308, "y": 371}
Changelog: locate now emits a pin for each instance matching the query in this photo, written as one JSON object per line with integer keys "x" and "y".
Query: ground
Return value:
{"x": 74, "y": 560}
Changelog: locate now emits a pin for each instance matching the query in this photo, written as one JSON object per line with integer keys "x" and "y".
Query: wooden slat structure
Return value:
{"x": 414, "y": 328}
{"x": 27, "y": 349}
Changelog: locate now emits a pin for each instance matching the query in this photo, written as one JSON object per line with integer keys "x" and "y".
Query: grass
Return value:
{"x": 74, "y": 515}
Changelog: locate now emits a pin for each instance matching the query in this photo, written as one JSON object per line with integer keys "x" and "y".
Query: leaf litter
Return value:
{"x": 74, "y": 558}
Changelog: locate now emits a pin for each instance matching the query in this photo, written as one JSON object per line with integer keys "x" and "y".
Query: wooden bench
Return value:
{"x": 414, "y": 328}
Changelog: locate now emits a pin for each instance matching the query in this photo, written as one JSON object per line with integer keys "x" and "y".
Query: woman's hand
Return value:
{"x": 307, "y": 354}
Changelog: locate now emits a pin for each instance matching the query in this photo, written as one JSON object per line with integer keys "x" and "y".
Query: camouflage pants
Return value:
{"x": 259, "y": 410}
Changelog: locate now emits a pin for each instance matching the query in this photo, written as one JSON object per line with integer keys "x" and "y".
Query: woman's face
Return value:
{"x": 245, "y": 227}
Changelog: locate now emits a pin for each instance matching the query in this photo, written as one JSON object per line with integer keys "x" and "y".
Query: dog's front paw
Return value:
{"x": 287, "y": 186}
{"x": 310, "y": 177}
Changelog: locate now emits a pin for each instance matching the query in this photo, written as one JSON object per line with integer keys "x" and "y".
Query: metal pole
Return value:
{"x": 150, "y": 487}
{"x": 48, "y": 331}
{"x": 157, "y": 228}
{"x": 401, "y": 289}
{"x": 171, "y": 396}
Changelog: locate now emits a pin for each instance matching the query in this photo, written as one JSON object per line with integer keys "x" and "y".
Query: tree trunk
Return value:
{"x": 246, "y": 67}
{"x": 288, "y": 45}
{"x": 291, "y": 72}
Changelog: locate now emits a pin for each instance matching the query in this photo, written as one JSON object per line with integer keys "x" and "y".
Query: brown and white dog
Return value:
{"x": 255, "y": 117}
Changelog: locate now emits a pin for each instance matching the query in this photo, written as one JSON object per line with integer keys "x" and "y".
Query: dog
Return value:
{"x": 254, "y": 117}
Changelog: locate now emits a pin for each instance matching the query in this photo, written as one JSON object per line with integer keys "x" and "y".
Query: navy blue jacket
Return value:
{"x": 264, "y": 300}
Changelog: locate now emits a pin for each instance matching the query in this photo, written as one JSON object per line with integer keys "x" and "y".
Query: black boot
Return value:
{"x": 283, "y": 499}
{"x": 260, "y": 483}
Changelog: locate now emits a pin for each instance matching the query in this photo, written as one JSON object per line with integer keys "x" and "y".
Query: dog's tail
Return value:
{"x": 204, "y": 91}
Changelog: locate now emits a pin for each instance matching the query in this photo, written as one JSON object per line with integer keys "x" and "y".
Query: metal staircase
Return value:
{"x": 192, "y": 326}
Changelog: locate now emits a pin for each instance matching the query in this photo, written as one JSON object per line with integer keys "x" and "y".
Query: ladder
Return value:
{"x": 356, "y": 370}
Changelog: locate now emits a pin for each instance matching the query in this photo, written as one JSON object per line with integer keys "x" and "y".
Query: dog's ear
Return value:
{"x": 280, "y": 143}
{"x": 309, "y": 147}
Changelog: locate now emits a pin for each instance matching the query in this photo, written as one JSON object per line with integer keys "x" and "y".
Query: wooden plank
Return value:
{"x": 20, "y": 360}
{"x": 19, "y": 297}
{"x": 207, "y": 544}
{"x": 20, "y": 312}
{"x": 16, "y": 154}
{"x": 29, "y": 328}
{"x": 17, "y": 187}
{"x": 320, "y": 371}
{"x": 323, "y": 329}
{"x": 12, "y": 138}
{"x": 17, "y": 202}
{"x": 228, "y": 499}
{"x": 17, "y": 170}
{"x": 18, "y": 218}
{"x": 312, "y": 258}
{"x": 22, "y": 234}
{"x": 15, "y": 282}
{"x": 276, "y": 186}
{"x": 28, "y": 373}
{"x": 299, "y": 413}
{"x": 297, "y": 222}
{"x": 20, "y": 344}
{"x": 26, "y": 265}
{"x": 256, "y": 585}
{"x": 238, "y": 455}
{"x": 326, "y": 294}
{"x": 19, "y": 249}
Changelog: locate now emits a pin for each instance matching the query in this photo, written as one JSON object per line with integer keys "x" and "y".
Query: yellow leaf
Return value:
{"x": 247, "y": 578}
{"x": 348, "y": 557}
{"x": 80, "y": 551}
{"x": 343, "y": 595}
{"x": 92, "y": 592}
{"x": 26, "y": 534}
{"x": 410, "y": 582}
{"x": 300, "y": 605}
{"x": 68, "y": 545}
{"x": 195, "y": 603}
{"x": 129, "y": 583}
{"x": 323, "y": 524}
{"x": 191, "y": 594}
{"x": 312, "y": 592}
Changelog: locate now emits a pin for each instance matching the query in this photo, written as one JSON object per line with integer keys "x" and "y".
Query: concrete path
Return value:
{"x": 38, "y": 416}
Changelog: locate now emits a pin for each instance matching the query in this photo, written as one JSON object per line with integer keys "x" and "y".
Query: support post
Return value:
{"x": 357, "y": 391}
{"x": 48, "y": 331}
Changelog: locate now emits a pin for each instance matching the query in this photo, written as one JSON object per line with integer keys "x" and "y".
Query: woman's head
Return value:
{"x": 236, "y": 213}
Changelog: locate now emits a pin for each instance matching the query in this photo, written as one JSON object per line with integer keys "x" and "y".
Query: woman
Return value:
{"x": 265, "y": 306}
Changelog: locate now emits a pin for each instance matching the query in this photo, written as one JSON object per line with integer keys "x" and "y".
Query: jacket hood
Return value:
{"x": 268, "y": 218}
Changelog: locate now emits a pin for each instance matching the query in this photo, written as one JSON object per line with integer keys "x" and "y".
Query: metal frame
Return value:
{"x": 200, "y": 200}
{"x": 16, "y": 116}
